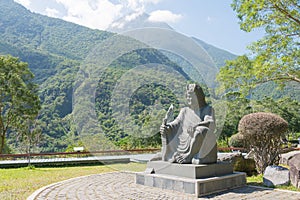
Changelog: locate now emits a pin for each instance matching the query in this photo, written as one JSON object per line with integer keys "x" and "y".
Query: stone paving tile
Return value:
{"x": 121, "y": 185}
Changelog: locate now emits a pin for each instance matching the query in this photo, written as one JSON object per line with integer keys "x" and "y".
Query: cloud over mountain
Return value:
{"x": 100, "y": 14}
{"x": 164, "y": 16}
{"x": 97, "y": 14}
{"x": 25, "y": 3}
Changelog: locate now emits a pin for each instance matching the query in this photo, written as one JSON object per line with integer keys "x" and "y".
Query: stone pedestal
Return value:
{"x": 199, "y": 180}
{"x": 190, "y": 170}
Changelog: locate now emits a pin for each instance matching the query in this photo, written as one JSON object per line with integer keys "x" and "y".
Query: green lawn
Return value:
{"x": 20, "y": 183}
{"x": 258, "y": 181}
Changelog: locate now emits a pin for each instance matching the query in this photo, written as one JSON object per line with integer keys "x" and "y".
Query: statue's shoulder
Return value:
{"x": 208, "y": 106}
{"x": 207, "y": 109}
{"x": 185, "y": 110}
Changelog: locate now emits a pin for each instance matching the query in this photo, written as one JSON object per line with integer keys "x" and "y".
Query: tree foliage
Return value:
{"x": 238, "y": 107}
{"x": 237, "y": 140}
{"x": 275, "y": 56}
{"x": 250, "y": 82}
{"x": 29, "y": 134}
{"x": 18, "y": 95}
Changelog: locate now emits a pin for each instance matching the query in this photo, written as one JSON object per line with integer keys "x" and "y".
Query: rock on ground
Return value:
{"x": 294, "y": 164}
{"x": 276, "y": 175}
{"x": 239, "y": 162}
{"x": 285, "y": 157}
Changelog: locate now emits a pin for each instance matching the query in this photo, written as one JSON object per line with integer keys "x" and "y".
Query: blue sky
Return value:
{"x": 212, "y": 21}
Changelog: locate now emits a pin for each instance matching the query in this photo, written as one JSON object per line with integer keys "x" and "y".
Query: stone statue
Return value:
{"x": 190, "y": 138}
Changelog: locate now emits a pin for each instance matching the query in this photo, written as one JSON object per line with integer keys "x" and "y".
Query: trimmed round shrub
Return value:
{"x": 263, "y": 133}
{"x": 258, "y": 123}
{"x": 237, "y": 140}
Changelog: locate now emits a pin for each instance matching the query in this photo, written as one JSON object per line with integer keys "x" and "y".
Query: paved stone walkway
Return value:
{"x": 121, "y": 185}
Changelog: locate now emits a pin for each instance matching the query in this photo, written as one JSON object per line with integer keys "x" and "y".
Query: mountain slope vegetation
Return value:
{"x": 55, "y": 50}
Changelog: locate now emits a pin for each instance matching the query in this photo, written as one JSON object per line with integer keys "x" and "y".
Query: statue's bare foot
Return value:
{"x": 174, "y": 158}
{"x": 182, "y": 158}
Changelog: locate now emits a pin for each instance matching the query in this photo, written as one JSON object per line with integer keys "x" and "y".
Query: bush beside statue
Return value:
{"x": 263, "y": 133}
{"x": 237, "y": 141}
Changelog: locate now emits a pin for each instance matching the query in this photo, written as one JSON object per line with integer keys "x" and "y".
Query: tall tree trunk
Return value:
{"x": 2, "y": 143}
{"x": 28, "y": 151}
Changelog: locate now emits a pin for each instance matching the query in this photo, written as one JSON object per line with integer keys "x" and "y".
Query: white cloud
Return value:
{"x": 164, "y": 16}
{"x": 134, "y": 4}
{"x": 25, "y": 3}
{"x": 51, "y": 12}
{"x": 101, "y": 14}
{"x": 133, "y": 16}
{"x": 118, "y": 25}
{"x": 127, "y": 18}
{"x": 138, "y": 5}
{"x": 98, "y": 14}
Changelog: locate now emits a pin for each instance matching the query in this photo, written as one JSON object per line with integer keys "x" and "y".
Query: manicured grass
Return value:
{"x": 20, "y": 183}
{"x": 258, "y": 181}
{"x": 255, "y": 180}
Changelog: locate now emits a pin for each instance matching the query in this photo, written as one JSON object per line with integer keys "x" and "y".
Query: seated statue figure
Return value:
{"x": 190, "y": 138}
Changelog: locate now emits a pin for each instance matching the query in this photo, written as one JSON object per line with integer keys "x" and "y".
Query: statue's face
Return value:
{"x": 191, "y": 98}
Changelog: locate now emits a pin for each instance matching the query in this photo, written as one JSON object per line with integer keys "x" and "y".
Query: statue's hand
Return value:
{"x": 191, "y": 130}
{"x": 165, "y": 129}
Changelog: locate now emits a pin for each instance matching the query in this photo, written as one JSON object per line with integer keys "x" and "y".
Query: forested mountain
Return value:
{"x": 55, "y": 49}
{"x": 41, "y": 41}
{"x": 219, "y": 56}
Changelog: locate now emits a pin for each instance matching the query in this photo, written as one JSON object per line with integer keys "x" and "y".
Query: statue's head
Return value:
{"x": 195, "y": 95}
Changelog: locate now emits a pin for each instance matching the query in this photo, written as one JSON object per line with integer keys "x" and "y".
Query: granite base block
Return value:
{"x": 198, "y": 187}
{"x": 189, "y": 170}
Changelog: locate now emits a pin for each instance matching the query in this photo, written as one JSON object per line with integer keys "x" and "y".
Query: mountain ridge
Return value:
{"x": 54, "y": 50}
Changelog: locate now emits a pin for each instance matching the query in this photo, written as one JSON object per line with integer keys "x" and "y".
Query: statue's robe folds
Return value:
{"x": 183, "y": 130}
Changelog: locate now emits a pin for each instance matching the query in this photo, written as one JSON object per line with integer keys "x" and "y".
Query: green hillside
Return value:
{"x": 41, "y": 41}
{"x": 55, "y": 50}
{"x": 219, "y": 56}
